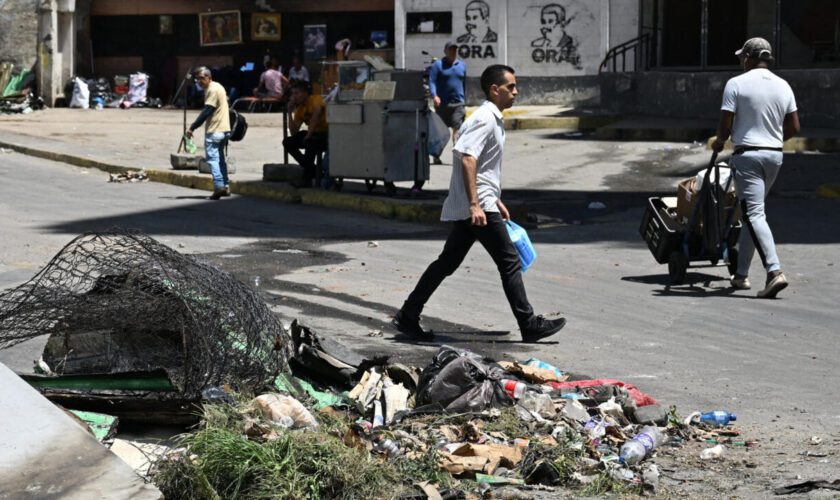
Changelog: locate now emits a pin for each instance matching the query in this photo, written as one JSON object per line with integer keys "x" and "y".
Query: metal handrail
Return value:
{"x": 640, "y": 46}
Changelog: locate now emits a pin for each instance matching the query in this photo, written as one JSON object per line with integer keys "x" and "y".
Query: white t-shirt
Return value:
{"x": 302, "y": 74}
{"x": 482, "y": 136}
{"x": 760, "y": 101}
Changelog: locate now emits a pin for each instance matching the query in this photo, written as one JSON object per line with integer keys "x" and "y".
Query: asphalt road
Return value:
{"x": 698, "y": 346}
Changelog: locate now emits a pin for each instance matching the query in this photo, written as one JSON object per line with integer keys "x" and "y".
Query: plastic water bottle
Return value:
{"x": 635, "y": 450}
{"x": 718, "y": 417}
{"x": 514, "y": 388}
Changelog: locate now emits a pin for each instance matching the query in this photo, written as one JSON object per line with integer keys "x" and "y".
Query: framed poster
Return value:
{"x": 265, "y": 27}
{"x": 220, "y": 28}
{"x": 315, "y": 41}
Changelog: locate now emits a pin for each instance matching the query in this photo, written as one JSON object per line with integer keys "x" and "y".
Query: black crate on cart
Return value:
{"x": 660, "y": 231}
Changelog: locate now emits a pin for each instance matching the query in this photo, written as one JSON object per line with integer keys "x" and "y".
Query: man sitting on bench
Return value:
{"x": 311, "y": 110}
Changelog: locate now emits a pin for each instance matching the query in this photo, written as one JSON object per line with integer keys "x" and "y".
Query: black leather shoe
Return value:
{"x": 411, "y": 327}
{"x": 540, "y": 328}
{"x": 217, "y": 195}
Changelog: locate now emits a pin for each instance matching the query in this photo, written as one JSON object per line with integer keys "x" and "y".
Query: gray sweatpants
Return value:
{"x": 755, "y": 173}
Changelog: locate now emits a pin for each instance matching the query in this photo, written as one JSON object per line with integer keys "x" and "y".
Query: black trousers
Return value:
{"x": 311, "y": 147}
{"x": 494, "y": 238}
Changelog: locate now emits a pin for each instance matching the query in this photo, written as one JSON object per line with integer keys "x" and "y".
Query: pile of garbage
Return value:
{"x": 16, "y": 94}
{"x": 97, "y": 93}
{"x": 463, "y": 426}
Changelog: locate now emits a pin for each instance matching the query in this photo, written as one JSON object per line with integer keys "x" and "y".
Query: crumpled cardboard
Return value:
{"x": 469, "y": 458}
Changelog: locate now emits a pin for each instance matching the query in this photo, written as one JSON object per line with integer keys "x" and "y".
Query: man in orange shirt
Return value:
{"x": 310, "y": 110}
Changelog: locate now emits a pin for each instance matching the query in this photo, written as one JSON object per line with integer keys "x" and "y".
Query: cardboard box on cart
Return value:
{"x": 687, "y": 198}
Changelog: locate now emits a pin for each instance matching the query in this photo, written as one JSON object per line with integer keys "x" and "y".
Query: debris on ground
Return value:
{"x": 131, "y": 176}
{"x": 133, "y": 323}
{"x": 466, "y": 427}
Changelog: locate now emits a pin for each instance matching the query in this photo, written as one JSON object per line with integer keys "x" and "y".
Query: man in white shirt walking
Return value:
{"x": 759, "y": 110}
{"x": 475, "y": 209}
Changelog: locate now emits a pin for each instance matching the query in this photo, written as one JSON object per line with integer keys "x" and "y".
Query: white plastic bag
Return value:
{"x": 438, "y": 135}
{"x": 279, "y": 408}
{"x": 725, "y": 173}
{"x": 81, "y": 94}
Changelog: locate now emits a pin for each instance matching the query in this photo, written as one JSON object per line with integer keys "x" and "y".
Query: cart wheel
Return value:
{"x": 390, "y": 189}
{"x": 338, "y": 183}
{"x": 370, "y": 184}
{"x": 732, "y": 265}
{"x": 677, "y": 265}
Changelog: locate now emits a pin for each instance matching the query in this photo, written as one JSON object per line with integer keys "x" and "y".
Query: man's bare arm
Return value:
{"x": 316, "y": 115}
{"x": 470, "y": 171}
{"x": 723, "y": 131}
{"x": 791, "y": 125}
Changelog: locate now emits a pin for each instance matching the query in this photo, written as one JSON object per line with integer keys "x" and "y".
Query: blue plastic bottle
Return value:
{"x": 718, "y": 417}
{"x": 520, "y": 240}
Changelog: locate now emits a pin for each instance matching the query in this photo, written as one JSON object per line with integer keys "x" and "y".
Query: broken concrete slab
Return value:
{"x": 46, "y": 453}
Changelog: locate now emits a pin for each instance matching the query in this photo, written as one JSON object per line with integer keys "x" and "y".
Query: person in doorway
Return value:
{"x": 476, "y": 212}
{"x": 298, "y": 71}
{"x": 446, "y": 84}
{"x": 272, "y": 82}
{"x": 759, "y": 111}
{"x": 310, "y": 110}
{"x": 216, "y": 117}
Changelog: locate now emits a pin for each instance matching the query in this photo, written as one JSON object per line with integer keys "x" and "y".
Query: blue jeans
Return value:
{"x": 755, "y": 173}
{"x": 214, "y": 147}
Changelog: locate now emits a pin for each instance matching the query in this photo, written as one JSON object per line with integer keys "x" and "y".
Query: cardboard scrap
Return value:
{"x": 470, "y": 458}
{"x": 396, "y": 399}
{"x": 532, "y": 373}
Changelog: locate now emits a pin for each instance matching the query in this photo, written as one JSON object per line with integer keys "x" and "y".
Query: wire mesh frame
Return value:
{"x": 115, "y": 286}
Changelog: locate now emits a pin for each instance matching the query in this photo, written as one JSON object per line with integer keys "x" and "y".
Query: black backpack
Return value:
{"x": 238, "y": 126}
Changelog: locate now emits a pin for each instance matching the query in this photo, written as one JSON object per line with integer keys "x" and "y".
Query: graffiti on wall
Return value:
{"x": 479, "y": 40}
{"x": 555, "y": 45}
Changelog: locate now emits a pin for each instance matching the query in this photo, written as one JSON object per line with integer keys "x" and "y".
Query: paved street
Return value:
{"x": 698, "y": 346}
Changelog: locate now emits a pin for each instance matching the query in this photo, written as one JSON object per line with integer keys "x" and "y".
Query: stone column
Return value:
{"x": 56, "y": 47}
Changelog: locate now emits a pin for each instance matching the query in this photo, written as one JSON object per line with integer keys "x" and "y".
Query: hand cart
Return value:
{"x": 679, "y": 244}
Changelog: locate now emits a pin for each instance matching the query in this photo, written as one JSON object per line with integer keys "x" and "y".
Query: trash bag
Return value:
{"x": 438, "y": 135}
{"x": 81, "y": 94}
{"x": 137, "y": 87}
{"x": 461, "y": 381}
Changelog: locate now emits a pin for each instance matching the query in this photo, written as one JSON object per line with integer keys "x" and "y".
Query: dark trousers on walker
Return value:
{"x": 494, "y": 238}
{"x": 317, "y": 143}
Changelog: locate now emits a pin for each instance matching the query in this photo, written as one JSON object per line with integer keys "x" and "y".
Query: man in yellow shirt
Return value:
{"x": 216, "y": 131}
{"x": 310, "y": 110}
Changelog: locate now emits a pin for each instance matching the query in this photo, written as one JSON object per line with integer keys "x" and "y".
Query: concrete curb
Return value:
{"x": 559, "y": 122}
{"x": 405, "y": 210}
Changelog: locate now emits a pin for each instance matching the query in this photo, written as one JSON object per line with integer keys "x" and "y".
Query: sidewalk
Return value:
{"x": 543, "y": 167}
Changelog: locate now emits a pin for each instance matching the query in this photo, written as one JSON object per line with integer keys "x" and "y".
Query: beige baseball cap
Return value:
{"x": 758, "y": 48}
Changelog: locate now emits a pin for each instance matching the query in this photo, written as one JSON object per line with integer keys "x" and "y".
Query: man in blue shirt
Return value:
{"x": 446, "y": 84}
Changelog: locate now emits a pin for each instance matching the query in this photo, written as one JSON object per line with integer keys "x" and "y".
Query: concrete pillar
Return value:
{"x": 56, "y": 47}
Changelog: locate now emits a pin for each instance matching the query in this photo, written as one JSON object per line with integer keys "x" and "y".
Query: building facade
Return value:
{"x": 555, "y": 46}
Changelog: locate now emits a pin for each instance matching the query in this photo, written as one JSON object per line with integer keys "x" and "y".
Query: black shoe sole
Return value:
{"x": 531, "y": 338}
{"x": 410, "y": 332}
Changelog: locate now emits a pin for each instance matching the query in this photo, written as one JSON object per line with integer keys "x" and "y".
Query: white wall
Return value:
{"x": 590, "y": 26}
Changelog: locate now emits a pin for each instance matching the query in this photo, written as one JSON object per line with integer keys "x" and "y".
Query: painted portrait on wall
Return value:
{"x": 220, "y": 28}
{"x": 477, "y": 25}
{"x": 265, "y": 27}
